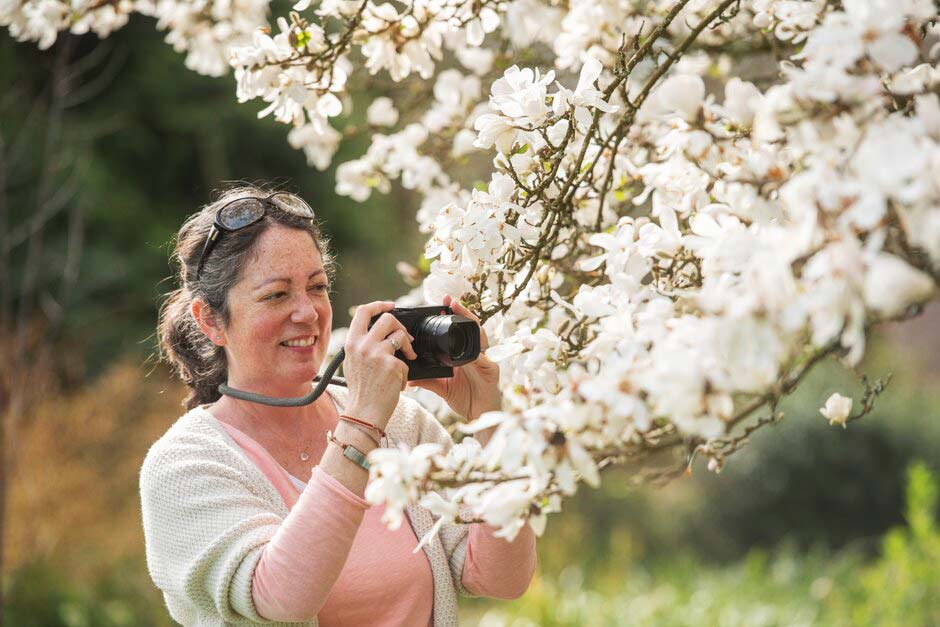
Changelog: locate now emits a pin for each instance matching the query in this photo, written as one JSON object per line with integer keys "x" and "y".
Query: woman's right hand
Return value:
{"x": 374, "y": 376}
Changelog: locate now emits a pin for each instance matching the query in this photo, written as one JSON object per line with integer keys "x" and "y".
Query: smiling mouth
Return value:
{"x": 301, "y": 343}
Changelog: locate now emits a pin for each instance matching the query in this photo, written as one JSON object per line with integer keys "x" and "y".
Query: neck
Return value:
{"x": 270, "y": 386}
{"x": 254, "y": 416}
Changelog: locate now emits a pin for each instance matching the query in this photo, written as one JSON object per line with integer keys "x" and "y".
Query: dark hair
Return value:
{"x": 182, "y": 344}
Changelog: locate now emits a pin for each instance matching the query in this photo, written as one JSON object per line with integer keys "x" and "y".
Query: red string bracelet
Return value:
{"x": 366, "y": 433}
{"x": 363, "y": 423}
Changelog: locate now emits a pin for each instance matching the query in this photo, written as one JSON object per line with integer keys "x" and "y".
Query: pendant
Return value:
{"x": 304, "y": 456}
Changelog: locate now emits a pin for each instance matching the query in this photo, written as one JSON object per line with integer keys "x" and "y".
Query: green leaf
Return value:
{"x": 921, "y": 500}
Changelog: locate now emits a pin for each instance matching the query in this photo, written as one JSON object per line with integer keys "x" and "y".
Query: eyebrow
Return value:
{"x": 285, "y": 279}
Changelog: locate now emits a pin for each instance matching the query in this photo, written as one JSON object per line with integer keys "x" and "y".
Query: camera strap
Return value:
{"x": 273, "y": 401}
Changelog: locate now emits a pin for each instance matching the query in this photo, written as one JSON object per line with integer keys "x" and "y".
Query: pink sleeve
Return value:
{"x": 304, "y": 558}
{"x": 495, "y": 567}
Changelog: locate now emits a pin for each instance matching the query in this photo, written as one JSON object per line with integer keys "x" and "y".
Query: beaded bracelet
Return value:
{"x": 349, "y": 451}
{"x": 363, "y": 423}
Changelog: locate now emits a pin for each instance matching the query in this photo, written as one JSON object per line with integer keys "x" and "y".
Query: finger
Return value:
{"x": 459, "y": 309}
{"x": 384, "y": 327}
{"x": 404, "y": 375}
{"x": 404, "y": 343}
{"x": 364, "y": 313}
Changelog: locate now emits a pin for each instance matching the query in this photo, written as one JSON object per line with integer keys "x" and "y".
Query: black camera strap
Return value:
{"x": 273, "y": 401}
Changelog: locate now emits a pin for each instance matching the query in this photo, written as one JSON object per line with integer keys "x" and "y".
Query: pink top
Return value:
{"x": 343, "y": 590}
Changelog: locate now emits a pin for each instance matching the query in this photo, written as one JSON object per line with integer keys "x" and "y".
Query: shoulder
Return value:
{"x": 190, "y": 433}
{"x": 193, "y": 444}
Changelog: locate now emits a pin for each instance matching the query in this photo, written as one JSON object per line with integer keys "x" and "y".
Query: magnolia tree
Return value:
{"x": 689, "y": 203}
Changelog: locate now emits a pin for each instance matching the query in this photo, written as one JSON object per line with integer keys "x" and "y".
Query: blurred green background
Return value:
{"x": 111, "y": 145}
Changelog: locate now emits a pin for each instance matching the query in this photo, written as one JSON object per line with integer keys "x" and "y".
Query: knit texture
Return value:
{"x": 208, "y": 513}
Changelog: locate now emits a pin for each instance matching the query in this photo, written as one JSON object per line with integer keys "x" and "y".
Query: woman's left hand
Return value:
{"x": 474, "y": 388}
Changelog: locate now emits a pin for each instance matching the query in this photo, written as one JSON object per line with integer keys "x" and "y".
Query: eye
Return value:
{"x": 319, "y": 288}
{"x": 274, "y": 296}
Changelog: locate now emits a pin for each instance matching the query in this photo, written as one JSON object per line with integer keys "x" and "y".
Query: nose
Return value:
{"x": 305, "y": 311}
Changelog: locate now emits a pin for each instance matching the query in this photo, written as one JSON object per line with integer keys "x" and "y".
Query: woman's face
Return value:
{"x": 282, "y": 296}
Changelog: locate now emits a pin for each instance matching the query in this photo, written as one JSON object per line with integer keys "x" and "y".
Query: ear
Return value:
{"x": 208, "y": 321}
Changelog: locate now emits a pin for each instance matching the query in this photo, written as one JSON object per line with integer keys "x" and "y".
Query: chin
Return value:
{"x": 305, "y": 374}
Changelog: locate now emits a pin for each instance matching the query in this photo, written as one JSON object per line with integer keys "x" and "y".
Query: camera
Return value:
{"x": 442, "y": 340}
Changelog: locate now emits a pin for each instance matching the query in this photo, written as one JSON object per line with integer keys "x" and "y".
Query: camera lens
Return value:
{"x": 452, "y": 340}
{"x": 458, "y": 344}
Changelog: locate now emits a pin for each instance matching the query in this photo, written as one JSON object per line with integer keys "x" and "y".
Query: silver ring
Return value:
{"x": 395, "y": 344}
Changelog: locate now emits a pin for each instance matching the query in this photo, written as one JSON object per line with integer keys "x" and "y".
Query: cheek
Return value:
{"x": 265, "y": 328}
{"x": 325, "y": 312}
{"x": 325, "y": 326}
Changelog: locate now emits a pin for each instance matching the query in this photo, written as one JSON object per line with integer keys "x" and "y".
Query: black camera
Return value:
{"x": 442, "y": 340}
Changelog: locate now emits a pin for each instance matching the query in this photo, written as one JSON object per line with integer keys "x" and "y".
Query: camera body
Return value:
{"x": 442, "y": 340}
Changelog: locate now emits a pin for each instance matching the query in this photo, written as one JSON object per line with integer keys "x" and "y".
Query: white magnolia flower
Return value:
{"x": 680, "y": 95}
{"x": 663, "y": 239}
{"x": 443, "y": 280}
{"x": 881, "y": 23}
{"x": 584, "y": 96}
{"x": 357, "y": 179}
{"x": 502, "y": 507}
{"x": 837, "y": 409}
{"x": 382, "y": 112}
{"x": 891, "y": 285}
{"x": 486, "y": 22}
{"x": 393, "y": 475}
{"x": 791, "y": 19}
{"x": 742, "y": 100}
{"x": 520, "y": 95}
{"x": 495, "y": 129}
{"x": 319, "y": 143}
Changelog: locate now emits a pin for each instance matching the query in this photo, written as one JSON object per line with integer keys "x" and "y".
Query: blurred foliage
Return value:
{"x": 903, "y": 587}
{"x": 41, "y": 595}
{"x": 144, "y": 146}
{"x": 810, "y": 482}
{"x": 74, "y": 488}
{"x": 74, "y": 539}
{"x": 766, "y": 589}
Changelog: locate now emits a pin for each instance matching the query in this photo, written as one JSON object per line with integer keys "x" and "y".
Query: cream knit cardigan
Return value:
{"x": 208, "y": 513}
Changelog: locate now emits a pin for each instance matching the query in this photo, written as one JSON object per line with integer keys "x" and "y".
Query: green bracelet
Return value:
{"x": 350, "y": 452}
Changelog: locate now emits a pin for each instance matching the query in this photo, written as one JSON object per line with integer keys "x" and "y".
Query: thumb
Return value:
{"x": 432, "y": 385}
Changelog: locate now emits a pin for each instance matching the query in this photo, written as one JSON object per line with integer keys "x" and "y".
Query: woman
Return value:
{"x": 250, "y": 514}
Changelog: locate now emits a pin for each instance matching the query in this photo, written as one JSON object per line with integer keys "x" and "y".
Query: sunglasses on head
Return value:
{"x": 243, "y": 212}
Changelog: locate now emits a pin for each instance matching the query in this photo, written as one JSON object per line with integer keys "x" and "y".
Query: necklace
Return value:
{"x": 304, "y": 455}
